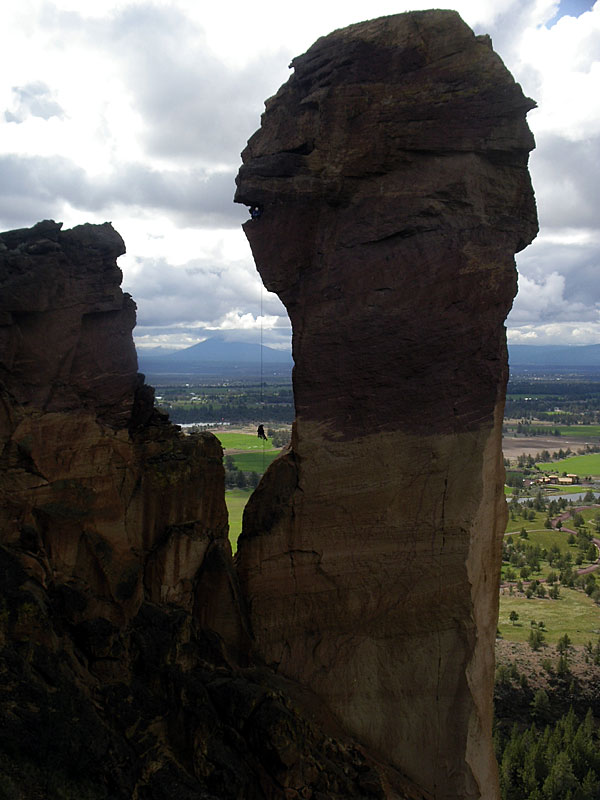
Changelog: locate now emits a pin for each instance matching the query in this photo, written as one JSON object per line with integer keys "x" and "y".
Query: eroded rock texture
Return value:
{"x": 97, "y": 488}
{"x": 122, "y": 635}
{"x": 391, "y": 171}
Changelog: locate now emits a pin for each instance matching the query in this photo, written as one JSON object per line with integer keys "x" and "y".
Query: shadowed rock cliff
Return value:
{"x": 123, "y": 669}
{"x": 391, "y": 173}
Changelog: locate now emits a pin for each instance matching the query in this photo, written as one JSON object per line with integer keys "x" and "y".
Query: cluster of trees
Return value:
{"x": 524, "y": 428}
{"x": 578, "y": 400}
{"x": 559, "y": 761}
{"x": 525, "y": 558}
{"x": 237, "y": 478}
{"x": 519, "y": 553}
{"x": 279, "y": 437}
{"x": 523, "y": 508}
{"x": 231, "y": 412}
{"x": 230, "y": 402}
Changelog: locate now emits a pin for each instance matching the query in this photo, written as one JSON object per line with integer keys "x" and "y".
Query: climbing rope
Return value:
{"x": 262, "y": 402}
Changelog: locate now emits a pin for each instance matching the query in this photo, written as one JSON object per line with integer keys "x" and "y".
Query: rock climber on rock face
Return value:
{"x": 255, "y": 211}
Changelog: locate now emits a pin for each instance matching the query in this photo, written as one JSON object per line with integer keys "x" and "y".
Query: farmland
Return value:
{"x": 574, "y": 613}
{"x": 577, "y": 465}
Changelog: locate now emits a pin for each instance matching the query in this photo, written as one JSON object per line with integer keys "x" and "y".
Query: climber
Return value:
{"x": 255, "y": 211}
{"x": 261, "y": 433}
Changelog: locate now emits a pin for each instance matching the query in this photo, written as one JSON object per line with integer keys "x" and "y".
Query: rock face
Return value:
{"x": 88, "y": 466}
{"x": 123, "y": 641}
{"x": 391, "y": 173}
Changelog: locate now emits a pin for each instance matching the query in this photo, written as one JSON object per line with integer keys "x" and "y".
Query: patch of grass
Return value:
{"x": 548, "y": 538}
{"x": 236, "y": 500}
{"x": 578, "y": 465}
{"x": 515, "y": 525}
{"x": 588, "y": 514}
{"x": 574, "y": 489}
{"x": 573, "y": 613}
{"x": 242, "y": 441}
{"x": 579, "y": 431}
{"x": 255, "y": 462}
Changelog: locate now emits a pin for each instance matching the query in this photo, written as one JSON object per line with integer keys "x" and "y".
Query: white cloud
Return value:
{"x": 136, "y": 111}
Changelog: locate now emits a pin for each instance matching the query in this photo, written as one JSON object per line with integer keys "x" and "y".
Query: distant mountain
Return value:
{"x": 585, "y": 357}
{"x": 215, "y": 355}
{"x": 154, "y": 352}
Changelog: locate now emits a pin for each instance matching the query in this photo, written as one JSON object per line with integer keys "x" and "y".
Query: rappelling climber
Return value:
{"x": 261, "y": 433}
{"x": 255, "y": 211}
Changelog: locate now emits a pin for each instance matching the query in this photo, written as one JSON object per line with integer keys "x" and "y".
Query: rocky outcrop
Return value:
{"x": 97, "y": 488}
{"x": 123, "y": 640}
{"x": 391, "y": 176}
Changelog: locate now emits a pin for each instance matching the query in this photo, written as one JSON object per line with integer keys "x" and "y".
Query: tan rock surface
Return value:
{"x": 391, "y": 172}
{"x": 96, "y": 486}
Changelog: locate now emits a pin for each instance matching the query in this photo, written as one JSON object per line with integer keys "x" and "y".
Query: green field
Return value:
{"x": 574, "y": 489}
{"x": 579, "y": 431}
{"x": 578, "y": 465}
{"x": 515, "y": 525}
{"x": 254, "y": 462}
{"x": 242, "y": 441}
{"x": 573, "y": 613}
{"x": 236, "y": 500}
{"x": 588, "y": 514}
{"x": 549, "y": 538}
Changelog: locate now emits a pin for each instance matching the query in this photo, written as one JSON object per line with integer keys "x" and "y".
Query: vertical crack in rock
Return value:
{"x": 391, "y": 176}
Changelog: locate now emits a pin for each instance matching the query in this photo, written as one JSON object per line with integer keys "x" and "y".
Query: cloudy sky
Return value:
{"x": 136, "y": 112}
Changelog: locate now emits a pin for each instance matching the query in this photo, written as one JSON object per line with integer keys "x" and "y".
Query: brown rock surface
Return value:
{"x": 97, "y": 487}
{"x": 122, "y": 635}
{"x": 391, "y": 171}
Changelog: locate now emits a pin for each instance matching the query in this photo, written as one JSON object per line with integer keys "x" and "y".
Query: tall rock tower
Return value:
{"x": 390, "y": 175}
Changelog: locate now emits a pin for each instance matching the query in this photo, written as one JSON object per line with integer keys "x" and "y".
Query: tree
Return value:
{"x": 563, "y": 643}
{"x": 513, "y": 616}
{"x": 536, "y": 638}
{"x": 561, "y": 780}
{"x": 562, "y": 668}
{"x": 240, "y": 480}
{"x": 540, "y": 706}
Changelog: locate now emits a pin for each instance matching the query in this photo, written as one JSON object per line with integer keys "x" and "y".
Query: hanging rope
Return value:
{"x": 262, "y": 402}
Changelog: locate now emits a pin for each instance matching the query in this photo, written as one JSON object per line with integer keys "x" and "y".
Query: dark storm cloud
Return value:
{"x": 33, "y": 100}
{"x": 37, "y": 186}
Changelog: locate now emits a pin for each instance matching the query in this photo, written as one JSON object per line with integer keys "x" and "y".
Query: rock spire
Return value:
{"x": 391, "y": 175}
